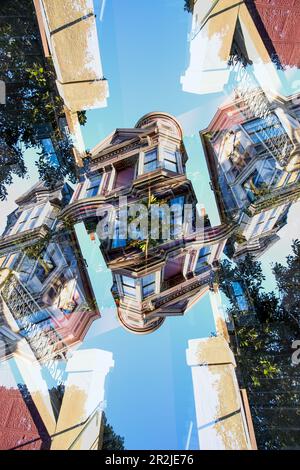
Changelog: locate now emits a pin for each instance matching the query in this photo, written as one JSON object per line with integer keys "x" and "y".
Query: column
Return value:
{"x": 79, "y": 421}
{"x": 220, "y": 416}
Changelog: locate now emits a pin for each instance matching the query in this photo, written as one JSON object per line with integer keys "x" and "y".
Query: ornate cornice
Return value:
{"x": 179, "y": 292}
{"x": 28, "y": 237}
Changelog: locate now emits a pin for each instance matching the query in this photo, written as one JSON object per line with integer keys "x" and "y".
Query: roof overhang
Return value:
{"x": 71, "y": 33}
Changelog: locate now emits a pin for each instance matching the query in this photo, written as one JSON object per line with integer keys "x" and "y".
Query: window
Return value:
{"x": 125, "y": 176}
{"x": 272, "y": 219}
{"x": 170, "y": 161}
{"x": 150, "y": 161}
{"x": 260, "y": 130}
{"x": 252, "y": 185}
{"x": 9, "y": 261}
{"x": 128, "y": 285}
{"x": 203, "y": 257}
{"x": 93, "y": 186}
{"x": 148, "y": 285}
{"x": 35, "y": 216}
{"x": 258, "y": 226}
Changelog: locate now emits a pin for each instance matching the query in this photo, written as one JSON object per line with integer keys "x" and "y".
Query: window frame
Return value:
{"x": 90, "y": 185}
{"x": 35, "y": 215}
{"x": 145, "y": 286}
{"x": 206, "y": 256}
{"x": 145, "y": 163}
{"x": 174, "y": 153}
{"x": 126, "y": 285}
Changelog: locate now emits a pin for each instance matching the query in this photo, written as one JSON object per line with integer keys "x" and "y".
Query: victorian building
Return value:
{"x": 47, "y": 307}
{"x": 252, "y": 152}
{"x": 46, "y": 295}
{"x": 162, "y": 271}
{"x": 258, "y": 33}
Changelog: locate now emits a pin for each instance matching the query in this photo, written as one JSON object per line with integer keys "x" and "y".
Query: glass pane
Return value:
{"x": 93, "y": 187}
{"x": 148, "y": 280}
{"x": 151, "y": 166}
{"x": 148, "y": 290}
{"x": 129, "y": 291}
{"x": 91, "y": 192}
{"x": 170, "y": 166}
{"x": 168, "y": 155}
{"x": 150, "y": 156}
{"x": 204, "y": 255}
{"x": 129, "y": 281}
{"x": 38, "y": 211}
{"x": 118, "y": 242}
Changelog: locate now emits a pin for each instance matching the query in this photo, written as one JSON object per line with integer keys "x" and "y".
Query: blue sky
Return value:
{"x": 144, "y": 51}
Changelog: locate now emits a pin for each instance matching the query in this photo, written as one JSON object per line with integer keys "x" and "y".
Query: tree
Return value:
{"x": 111, "y": 440}
{"x": 262, "y": 339}
{"x": 189, "y": 5}
{"x": 248, "y": 273}
{"x": 33, "y": 104}
{"x": 288, "y": 283}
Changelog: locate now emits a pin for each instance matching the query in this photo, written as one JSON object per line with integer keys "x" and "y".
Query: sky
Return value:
{"x": 144, "y": 51}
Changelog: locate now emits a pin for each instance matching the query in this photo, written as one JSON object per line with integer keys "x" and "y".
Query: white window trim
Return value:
{"x": 140, "y": 293}
{"x": 85, "y": 185}
{"x": 32, "y": 211}
{"x": 210, "y": 259}
{"x": 150, "y": 149}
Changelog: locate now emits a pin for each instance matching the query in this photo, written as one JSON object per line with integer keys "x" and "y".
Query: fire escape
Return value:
{"x": 35, "y": 324}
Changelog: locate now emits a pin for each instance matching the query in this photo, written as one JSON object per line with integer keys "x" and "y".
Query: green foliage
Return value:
{"x": 32, "y": 103}
{"x": 52, "y": 172}
{"x": 36, "y": 251}
{"x": 111, "y": 440}
{"x": 82, "y": 117}
{"x": 288, "y": 283}
{"x": 68, "y": 223}
{"x": 239, "y": 238}
{"x": 189, "y": 5}
{"x": 263, "y": 335}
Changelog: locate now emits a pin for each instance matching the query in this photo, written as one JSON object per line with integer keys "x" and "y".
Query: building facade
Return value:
{"x": 46, "y": 294}
{"x": 165, "y": 263}
{"x": 252, "y": 152}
